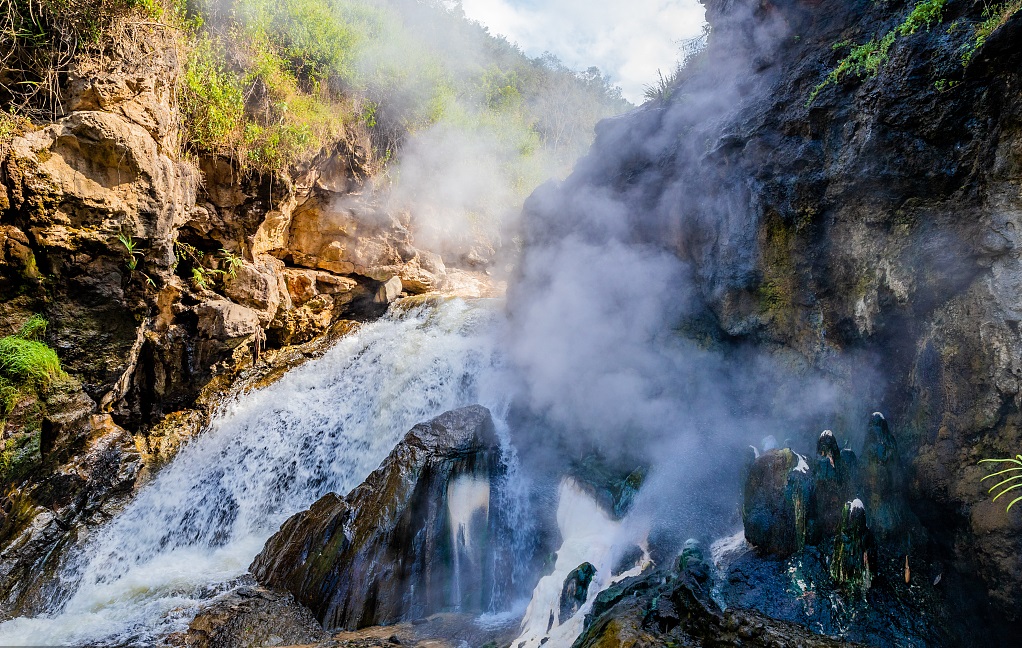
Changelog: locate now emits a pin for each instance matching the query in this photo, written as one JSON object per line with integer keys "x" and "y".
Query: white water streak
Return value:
{"x": 590, "y": 535}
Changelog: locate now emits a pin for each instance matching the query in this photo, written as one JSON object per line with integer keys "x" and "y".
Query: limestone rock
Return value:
{"x": 301, "y": 284}
{"x": 257, "y": 286}
{"x": 226, "y": 321}
{"x": 94, "y": 174}
{"x": 299, "y": 325}
{"x": 389, "y": 291}
{"x": 383, "y": 554}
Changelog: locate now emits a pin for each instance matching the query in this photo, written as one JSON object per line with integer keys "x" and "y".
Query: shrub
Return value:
{"x": 211, "y": 100}
{"x": 993, "y": 18}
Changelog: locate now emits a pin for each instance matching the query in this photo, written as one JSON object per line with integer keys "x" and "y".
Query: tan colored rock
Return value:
{"x": 93, "y": 175}
{"x": 224, "y": 320}
{"x": 16, "y": 257}
{"x": 330, "y": 284}
{"x": 302, "y": 324}
{"x": 301, "y": 284}
{"x": 389, "y": 291}
{"x": 257, "y": 286}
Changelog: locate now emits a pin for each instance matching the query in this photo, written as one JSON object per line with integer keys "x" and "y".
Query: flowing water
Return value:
{"x": 193, "y": 531}
{"x": 588, "y": 534}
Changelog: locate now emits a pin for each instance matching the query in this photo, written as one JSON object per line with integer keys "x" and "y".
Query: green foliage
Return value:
{"x": 40, "y": 39}
{"x": 25, "y": 361}
{"x": 271, "y": 82}
{"x": 9, "y": 397}
{"x": 662, "y": 89}
{"x": 211, "y": 100}
{"x": 232, "y": 262}
{"x": 1007, "y": 483}
{"x": 132, "y": 253}
{"x": 925, "y": 14}
{"x": 994, "y": 16}
{"x": 865, "y": 60}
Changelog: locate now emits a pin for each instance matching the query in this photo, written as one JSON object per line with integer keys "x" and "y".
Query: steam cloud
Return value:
{"x": 623, "y": 254}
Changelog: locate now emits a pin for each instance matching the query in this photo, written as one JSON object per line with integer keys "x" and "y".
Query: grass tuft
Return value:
{"x": 25, "y": 361}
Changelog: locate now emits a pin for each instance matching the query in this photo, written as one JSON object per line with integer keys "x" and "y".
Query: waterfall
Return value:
{"x": 192, "y": 532}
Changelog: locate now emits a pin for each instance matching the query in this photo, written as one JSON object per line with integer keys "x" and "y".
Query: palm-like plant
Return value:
{"x": 1008, "y": 483}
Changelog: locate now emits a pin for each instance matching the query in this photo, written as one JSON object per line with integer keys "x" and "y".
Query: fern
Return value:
{"x": 1006, "y": 484}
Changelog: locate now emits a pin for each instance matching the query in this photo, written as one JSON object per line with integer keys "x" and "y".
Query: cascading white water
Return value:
{"x": 323, "y": 427}
{"x": 588, "y": 534}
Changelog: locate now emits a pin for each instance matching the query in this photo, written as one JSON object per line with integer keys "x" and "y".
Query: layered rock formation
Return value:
{"x": 417, "y": 537}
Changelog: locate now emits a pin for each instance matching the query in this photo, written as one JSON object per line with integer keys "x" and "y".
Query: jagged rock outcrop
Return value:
{"x": 779, "y": 507}
{"x": 415, "y": 538}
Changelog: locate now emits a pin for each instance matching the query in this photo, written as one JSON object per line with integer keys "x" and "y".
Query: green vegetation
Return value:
{"x": 132, "y": 253}
{"x": 27, "y": 365}
{"x": 660, "y": 90}
{"x": 994, "y": 16}
{"x": 865, "y": 60}
{"x": 691, "y": 51}
{"x": 269, "y": 83}
{"x": 1006, "y": 484}
{"x": 25, "y": 360}
{"x": 205, "y": 271}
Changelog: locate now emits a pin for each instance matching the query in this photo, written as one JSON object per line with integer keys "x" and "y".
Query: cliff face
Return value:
{"x": 165, "y": 278}
{"x": 876, "y": 217}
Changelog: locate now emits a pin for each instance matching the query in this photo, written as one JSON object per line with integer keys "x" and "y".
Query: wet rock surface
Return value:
{"x": 251, "y": 617}
{"x": 386, "y": 552}
{"x": 850, "y": 576}
{"x": 672, "y": 608}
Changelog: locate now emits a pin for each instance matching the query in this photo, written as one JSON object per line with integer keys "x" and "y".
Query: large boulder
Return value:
{"x": 415, "y": 538}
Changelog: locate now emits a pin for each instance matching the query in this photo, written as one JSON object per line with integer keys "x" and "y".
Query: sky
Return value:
{"x": 627, "y": 39}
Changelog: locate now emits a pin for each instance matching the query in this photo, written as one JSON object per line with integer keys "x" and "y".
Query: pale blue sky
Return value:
{"x": 628, "y": 39}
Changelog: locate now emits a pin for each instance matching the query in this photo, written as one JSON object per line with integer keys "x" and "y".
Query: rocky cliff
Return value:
{"x": 165, "y": 277}
{"x": 843, "y": 181}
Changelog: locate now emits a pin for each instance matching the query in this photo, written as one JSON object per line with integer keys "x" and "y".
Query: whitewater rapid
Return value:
{"x": 191, "y": 533}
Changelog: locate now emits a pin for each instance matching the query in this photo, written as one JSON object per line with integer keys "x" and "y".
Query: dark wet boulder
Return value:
{"x": 778, "y": 508}
{"x": 801, "y": 589}
{"x": 613, "y": 484}
{"x": 413, "y": 539}
{"x": 575, "y": 591}
{"x": 881, "y": 479}
{"x": 834, "y": 481}
{"x": 250, "y": 617}
{"x": 631, "y": 558}
{"x": 671, "y": 609}
{"x": 854, "y": 561}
